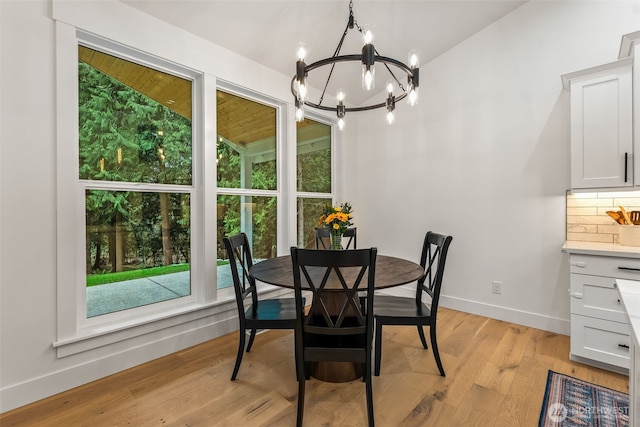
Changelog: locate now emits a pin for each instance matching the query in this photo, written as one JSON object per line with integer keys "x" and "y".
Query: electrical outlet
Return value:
{"x": 496, "y": 287}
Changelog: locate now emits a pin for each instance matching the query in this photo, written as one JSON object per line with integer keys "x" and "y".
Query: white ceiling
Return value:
{"x": 268, "y": 31}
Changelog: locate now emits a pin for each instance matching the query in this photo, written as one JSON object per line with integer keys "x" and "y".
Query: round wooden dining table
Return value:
{"x": 390, "y": 272}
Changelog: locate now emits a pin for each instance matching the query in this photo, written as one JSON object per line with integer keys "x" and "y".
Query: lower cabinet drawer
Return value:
{"x": 616, "y": 267}
{"x": 596, "y": 296}
{"x": 600, "y": 340}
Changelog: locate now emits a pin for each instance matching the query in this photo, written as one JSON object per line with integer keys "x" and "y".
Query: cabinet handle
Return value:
{"x": 623, "y": 346}
{"x": 629, "y": 268}
{"x": 580, "y": 264}
{"x": 576, "y": 295}
{"x": 626, "y": 157}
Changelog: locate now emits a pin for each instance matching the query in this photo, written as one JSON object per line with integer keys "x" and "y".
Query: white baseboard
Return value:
{"x": 520, "y": 317}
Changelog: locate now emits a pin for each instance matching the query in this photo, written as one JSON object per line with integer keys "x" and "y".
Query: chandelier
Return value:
{"x": 369, "y": 57}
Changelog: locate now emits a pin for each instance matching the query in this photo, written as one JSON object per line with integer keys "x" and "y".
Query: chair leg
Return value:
{"x": 369, "y": 392}
{"x": 377, "y": 342}
{"x": 240, "y": 353}
{"x": 434, "y": 346}
{"x": 422, "y": 338}
{"x": 301, "y": 383}
{"x": 251, "y": 338}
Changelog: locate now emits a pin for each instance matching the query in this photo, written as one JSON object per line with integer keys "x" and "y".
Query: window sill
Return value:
{"x": 90, "y": 338}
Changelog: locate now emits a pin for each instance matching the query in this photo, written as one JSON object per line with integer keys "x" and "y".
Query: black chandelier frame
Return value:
{"x": 368, "y": 56}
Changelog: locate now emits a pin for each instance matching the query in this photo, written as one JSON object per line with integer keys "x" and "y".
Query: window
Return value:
{"x": 140, "y": 180}
{"x": 249, "y": 195}
{"x": 134, "y": 141}
{"x": 247, "y": 171}
{"x": 313, "y": 177}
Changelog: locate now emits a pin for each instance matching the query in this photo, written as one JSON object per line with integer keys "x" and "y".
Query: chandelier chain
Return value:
{"x": 352, "y": 19}
{"x": 335, "y": 53}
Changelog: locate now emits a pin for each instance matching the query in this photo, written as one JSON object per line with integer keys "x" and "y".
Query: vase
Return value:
{"x": 336, "y": 241}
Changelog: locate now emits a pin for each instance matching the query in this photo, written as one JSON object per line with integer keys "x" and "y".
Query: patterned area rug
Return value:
{"x": 570, "y": 402}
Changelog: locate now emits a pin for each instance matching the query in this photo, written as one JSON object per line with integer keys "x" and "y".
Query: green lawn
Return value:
{"x": 101, "y": 279}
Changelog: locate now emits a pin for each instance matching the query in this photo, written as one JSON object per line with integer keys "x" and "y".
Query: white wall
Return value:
{"x": 485, "y": 157}
{"x": 27, "y": 193}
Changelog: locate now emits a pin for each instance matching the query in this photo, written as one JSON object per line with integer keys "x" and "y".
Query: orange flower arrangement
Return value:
{"x": 337, "y": 218}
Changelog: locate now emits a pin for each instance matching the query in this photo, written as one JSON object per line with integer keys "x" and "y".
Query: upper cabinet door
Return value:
{"x": 601, "y": 127}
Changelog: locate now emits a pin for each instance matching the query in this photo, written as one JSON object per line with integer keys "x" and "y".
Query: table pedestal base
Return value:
{"x": 336, "y": 372}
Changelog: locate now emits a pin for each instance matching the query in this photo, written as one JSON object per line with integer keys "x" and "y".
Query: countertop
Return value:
{"x": 630, "y": 296}
{"x": 603, "y": 249}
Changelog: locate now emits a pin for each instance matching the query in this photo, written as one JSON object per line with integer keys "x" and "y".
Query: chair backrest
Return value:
{"x": 323, "y": 238}
{"x": 240, "y": 260}
{"x": 433, "y": 259}
{"x": 334, "y": 279}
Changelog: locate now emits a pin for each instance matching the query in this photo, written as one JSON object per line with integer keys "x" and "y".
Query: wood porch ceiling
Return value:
{"x": 238, "y": 120}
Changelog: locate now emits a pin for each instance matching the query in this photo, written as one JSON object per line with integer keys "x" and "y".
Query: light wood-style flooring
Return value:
{"x": 496, "y": 375}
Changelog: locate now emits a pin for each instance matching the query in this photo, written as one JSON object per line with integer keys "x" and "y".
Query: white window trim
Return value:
{"x": 76, "y": 333}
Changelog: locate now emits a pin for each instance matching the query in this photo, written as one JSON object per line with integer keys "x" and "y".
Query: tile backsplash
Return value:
{"x": 587, "y": 220}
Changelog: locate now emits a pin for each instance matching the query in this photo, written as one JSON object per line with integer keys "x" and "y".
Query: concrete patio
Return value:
{"x": 112, "y": 297}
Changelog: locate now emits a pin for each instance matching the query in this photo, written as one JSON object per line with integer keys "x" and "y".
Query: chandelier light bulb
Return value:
{"x": 302, "y": 90}
{"x": 301, "y": 53}
{"x": 368, "y": 59}
{"x": 391, "y": 103}
{"x": 299, "y": 113}
{"x": 390, "y": 117}
{"x": 299, "y": 110}
{"x": 340, "y": 108}
{"x": 368, "y": 77}
{"x": 301, "y": 73}
{"x": 413, "y": 96}
{"x": 390, "y": 87}
{"x": 413, "y": 59}
{"x": 367, "y": 36}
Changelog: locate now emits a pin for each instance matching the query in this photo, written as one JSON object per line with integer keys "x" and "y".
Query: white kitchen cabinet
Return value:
{"x": 601, "y": 126}
{"x": 630, "y": 48}
{"x": 600, "y": 333}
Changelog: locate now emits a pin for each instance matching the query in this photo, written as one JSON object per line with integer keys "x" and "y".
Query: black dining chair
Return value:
{"x": 337, "y": 327}
{"x": 274, "y": 313}
{"x": 323, "y": 238}
{"x": 393, "y": 310}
